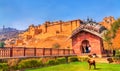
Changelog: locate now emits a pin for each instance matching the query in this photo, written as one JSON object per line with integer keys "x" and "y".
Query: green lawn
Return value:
{"x": 79, "y": 66}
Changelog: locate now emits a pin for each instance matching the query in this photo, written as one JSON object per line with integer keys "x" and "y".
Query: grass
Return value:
{"x": 79, "y": 66}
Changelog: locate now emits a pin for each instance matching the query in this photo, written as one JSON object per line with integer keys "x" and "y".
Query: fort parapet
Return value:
{"x": 52, "y": 28}
{"x": 107, "y": 21}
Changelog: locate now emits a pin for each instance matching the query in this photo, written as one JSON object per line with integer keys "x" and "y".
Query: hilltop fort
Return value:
{"x": 50, "y": 33}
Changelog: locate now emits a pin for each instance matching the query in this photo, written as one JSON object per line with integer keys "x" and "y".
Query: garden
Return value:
{"x": 56, "y": 64}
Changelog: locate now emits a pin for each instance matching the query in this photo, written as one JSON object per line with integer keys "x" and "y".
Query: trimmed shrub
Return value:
{"x": 117, "y": 54}
{"x": 2, "y": 44}
{"x": 116, "y": 58}
{"x": 73, "y": 59}
{"x": 61, "y": 60}
{"x": 30, "y": 63}
{"x": 51, "y": 62}
{"x": 3, "y": 67}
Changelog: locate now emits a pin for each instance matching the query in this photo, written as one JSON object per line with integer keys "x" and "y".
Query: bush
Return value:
{"x": 55, "y": 62}
{"x": 51, "y": 62}
{"x": 73, "y": 59}
{"x": 56, "y": 45}
{"x": 3, "y": 67}
{"x": 30, "y": 63}
{"x": 117, "y": 54}
{"x": 61, "y": 60}
{"x": 82, "y": 59}
{"x": 2, "y": 44}
{"x": 116, "y": 58}
{"x": 13, "y": 63}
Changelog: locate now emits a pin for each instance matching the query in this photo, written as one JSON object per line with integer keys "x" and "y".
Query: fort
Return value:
{"x": 52, "y": 27}
{"x": 53, "y": 32}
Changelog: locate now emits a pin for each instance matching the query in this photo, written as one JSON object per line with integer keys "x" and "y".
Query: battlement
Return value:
{"x": 48, "y": 23}
{"x": 109, "y": 19}
{"x": 53, "y": 28}
{"x": 66, "y": 27}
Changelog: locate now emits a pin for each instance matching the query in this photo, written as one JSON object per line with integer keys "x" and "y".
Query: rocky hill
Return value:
{"x": 8, "y": 34}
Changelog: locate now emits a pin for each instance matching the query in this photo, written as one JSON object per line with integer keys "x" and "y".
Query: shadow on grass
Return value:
{"x": 97, "y": 68}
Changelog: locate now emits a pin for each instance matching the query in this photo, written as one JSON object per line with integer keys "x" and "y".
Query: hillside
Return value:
{"x": 8, "y": 34}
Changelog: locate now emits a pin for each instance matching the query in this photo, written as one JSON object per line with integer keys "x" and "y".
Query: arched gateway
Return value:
{"x": 85, "y": 46}
{"x": 87, "y": 39}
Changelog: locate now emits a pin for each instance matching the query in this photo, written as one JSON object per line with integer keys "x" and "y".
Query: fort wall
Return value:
{"x": 53, "y": 28}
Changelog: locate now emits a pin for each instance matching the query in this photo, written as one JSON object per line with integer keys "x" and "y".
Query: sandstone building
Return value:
{"x": 87, "y": 39}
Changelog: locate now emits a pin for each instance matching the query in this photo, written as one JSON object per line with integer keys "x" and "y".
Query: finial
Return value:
{"x": 87, "y": 18}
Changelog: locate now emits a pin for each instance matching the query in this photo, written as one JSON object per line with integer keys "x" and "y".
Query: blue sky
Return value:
{"x": 21, "y": 13}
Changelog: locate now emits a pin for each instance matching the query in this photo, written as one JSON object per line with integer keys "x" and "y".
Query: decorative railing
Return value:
{"x": 17, "y": 52}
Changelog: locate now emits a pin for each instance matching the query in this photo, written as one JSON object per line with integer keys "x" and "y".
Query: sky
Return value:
{"x": 20, "y": 14}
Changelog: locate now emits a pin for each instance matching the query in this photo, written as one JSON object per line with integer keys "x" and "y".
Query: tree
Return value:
{"x": 111, "y": 37}
{"x": 56, "y": 45}
{"x": 115, "y": 29}
{"x": 2, "y": 44}
{"x": 107, "y": 40}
